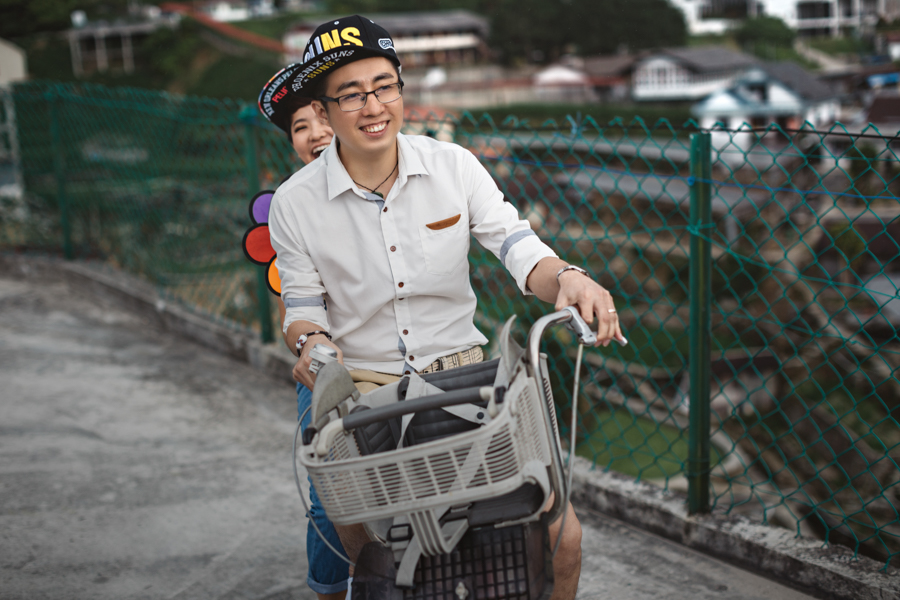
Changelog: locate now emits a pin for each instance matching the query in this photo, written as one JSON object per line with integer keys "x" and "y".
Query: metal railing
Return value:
{"x": 756, "y": 274}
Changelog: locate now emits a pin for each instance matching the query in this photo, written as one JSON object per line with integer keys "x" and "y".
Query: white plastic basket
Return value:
{"x": 484, "y": 463}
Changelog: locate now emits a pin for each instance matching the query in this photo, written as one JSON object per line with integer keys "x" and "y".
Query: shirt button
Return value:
{"x": 406, "y": 372}
{"x": 385, "y": 209}
{"x": 400, "y": 284}
{"x": 406, "y": 332}
{"x": 411, "y": 357}
{"x": 393, "y": 248}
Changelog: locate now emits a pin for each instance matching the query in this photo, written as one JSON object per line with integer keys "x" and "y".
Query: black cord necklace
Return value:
{"x": 379, "y": 194}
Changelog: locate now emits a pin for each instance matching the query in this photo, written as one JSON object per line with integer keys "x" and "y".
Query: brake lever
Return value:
{"x": 582, "y": 331}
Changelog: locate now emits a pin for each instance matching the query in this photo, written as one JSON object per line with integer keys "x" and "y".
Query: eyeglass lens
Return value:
{"x": 385, "y": 94}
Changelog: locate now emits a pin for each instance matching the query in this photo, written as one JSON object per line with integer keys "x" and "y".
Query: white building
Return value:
{"x": 782, "y": 93}
{"x": 687, "y": 73}
{"x": 772, "y": 92}
{"x": 12, "y": 63}
{"x": 704, "y": 17}
{"x": 563, "y": 83}
{"x": 12, "y": 69}
{"x": 827, "y": 17}
{"x": 807, "y": 17}
{"x": 101, "y": 46}
{"x": 420, "y": 38}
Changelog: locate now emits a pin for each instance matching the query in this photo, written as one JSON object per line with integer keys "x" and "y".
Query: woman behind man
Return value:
{"x": 328, "y": 574}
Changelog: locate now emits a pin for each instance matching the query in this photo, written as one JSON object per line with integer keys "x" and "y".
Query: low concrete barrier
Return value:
{"x": 827, "y": 571}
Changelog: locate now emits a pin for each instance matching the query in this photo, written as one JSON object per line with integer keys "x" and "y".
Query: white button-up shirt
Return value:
{"x": 371, "y": 272}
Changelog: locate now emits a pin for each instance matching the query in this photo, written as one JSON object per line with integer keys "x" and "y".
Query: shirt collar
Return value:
{"x": 337, "y": 177}
{"x": 339, "y": 180}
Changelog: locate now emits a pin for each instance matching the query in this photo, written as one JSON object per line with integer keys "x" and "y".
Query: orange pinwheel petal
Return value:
{"x": 273, "y": 280}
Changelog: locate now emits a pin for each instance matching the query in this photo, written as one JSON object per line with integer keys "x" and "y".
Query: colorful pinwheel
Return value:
{"x": 257, "y": 245}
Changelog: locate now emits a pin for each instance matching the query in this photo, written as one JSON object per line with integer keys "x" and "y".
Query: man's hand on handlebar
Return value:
{"x": 591, "y": 299}
{"x": 301, "y": 368}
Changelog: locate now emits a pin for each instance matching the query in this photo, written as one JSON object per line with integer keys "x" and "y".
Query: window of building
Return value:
{"x": 813, "y": 10}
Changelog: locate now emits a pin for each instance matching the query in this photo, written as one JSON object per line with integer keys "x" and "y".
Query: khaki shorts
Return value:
{"x": 366, "y": 381}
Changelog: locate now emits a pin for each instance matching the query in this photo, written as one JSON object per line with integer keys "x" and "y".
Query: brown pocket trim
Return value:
{"x": 437, "y": 225}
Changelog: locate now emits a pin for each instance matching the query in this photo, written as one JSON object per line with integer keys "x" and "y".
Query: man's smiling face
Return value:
{"x": 372, "y": 129}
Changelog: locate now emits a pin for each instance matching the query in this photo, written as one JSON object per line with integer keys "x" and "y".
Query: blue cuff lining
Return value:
{"x": 298, "y": 302}
{"x": 512, "y": 240}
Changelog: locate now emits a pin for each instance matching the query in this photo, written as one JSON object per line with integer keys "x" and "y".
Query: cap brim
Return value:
{"x": 324, "y": 64}
{"x": 276, "y": 101}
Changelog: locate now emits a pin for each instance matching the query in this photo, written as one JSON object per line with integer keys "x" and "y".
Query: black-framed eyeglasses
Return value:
{"x": 353, "y": 102}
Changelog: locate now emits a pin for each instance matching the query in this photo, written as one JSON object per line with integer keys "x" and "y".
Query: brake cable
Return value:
{"x": 303, "y": 498}
{"x": 570, "y": 462}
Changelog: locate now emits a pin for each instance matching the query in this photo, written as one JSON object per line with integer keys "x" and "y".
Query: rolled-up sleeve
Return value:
{"x": 497, "y": 226}
{"x": 301, "y": 285}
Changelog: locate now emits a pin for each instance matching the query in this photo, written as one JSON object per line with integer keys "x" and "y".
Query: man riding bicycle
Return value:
{"x": 373, "y": 238}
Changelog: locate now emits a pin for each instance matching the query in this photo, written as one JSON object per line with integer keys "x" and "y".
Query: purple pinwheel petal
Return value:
{"x": 259, "y": 210}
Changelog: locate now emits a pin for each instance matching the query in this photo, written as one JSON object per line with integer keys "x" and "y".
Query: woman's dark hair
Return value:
{"x": 292, "y": 105}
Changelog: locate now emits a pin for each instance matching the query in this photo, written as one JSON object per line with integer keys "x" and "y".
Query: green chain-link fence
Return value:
{"x": 756, "y": 274}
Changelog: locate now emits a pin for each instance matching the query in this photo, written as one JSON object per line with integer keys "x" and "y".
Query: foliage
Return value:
{"x": 841, "y": 45}
{"x": 170, "y": 51}
{"x": 24, "y": 17}
{"x": 770, "y": 31}
{"x": 272, "y": 27}
{"x": 542, "y": 31}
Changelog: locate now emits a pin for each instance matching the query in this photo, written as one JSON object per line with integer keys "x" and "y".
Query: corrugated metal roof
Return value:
{"x": 610, "y": 65}
{"x": 798, "y": 79}
{"x": 708, "y": 59}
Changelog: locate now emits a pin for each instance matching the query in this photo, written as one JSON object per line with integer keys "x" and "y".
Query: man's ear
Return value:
{"x": 321, "y": 112}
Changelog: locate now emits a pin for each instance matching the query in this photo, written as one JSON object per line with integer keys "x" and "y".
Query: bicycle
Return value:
{"x": 450, "y": 473}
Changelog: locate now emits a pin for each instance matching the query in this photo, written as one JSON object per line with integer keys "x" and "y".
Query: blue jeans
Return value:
{"x": 328, "y": 573}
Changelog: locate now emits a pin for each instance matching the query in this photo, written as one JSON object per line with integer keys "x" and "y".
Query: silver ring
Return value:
{"x": 612, "y": 310}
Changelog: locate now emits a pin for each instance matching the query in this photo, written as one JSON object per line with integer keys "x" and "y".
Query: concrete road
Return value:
{"x": 135, "y": 464}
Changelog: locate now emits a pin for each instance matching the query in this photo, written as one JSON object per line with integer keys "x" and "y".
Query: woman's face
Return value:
{"x": 308, "y": 136}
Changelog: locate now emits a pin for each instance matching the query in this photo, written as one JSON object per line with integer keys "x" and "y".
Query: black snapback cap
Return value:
{"x": 338, "y": 43}
{"x": 276, "y": 102}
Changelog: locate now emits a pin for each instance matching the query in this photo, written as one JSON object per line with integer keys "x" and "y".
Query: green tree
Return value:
{"x": 602, "y": 26}
{"x": 24, "y": 17}
{"x": 769, "y": 31}
{"x": 542, "y": 31}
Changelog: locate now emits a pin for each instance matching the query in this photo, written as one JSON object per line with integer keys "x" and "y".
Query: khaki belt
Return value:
{"x": 459, "y": 359}
{"x": 366, "y": 380}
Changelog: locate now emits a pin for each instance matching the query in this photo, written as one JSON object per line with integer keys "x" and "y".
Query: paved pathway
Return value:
{"x": 135, "y": 464}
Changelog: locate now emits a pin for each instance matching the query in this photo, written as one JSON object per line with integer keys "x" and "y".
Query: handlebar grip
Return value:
{"x": 576, "y": 325}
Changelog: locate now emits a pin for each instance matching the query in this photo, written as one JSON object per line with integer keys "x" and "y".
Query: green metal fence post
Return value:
{"x": 59, "y": 171}
{"x": 701, "y": 299}
{"x": 248, "y": 116}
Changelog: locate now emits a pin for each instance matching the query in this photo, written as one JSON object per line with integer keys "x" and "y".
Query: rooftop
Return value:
{"x": 612, "y": 65}
{"x": 416, "y": 23}
{"x": 708, "y": 59}
{"x": 798, "y": 79}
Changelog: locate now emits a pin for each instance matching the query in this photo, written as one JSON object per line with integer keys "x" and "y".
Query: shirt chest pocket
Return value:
{"x": 445, "y": 244}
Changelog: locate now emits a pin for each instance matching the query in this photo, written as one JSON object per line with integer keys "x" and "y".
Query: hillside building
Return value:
{"x": 101, "y": 46}
{"x": 772, "y": 92}
{"x": 678, "y": 74}
{"x": 807, "y": 17}
{"x": 421, "y": 39}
